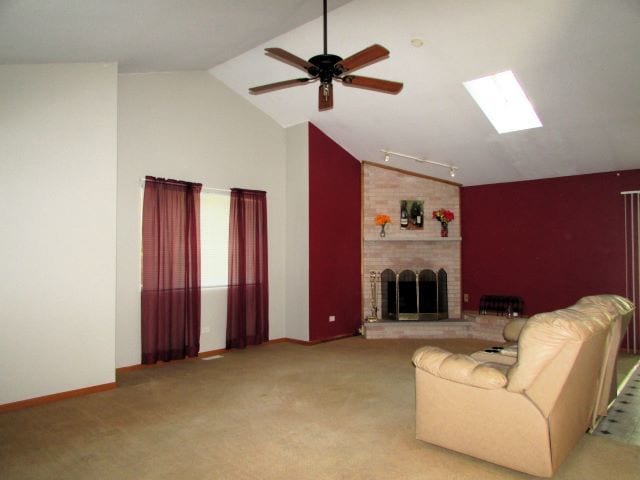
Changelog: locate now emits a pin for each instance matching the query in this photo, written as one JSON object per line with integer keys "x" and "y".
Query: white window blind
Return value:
{"x": 214, "y": 238}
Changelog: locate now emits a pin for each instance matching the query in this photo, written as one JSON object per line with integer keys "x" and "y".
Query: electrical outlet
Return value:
{"x": 466, "y": 297}
{"x": 332, "y": 318}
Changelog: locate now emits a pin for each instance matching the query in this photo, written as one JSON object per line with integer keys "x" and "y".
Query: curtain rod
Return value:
{"x": 206, "y": 189}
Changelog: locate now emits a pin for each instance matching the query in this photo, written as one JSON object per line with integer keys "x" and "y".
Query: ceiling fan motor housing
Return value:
{"x": 325, "y": 67}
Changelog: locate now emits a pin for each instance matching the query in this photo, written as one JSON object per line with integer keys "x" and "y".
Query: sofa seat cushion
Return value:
{"x": 507, "y": 355}
{"x": 459, "y": 368}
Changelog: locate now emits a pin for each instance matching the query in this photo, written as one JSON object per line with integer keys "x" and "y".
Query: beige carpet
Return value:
{"x": 339, "y": 410}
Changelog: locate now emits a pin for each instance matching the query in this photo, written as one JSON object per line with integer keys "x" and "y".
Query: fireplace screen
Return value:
{"x": 411, "y": 295}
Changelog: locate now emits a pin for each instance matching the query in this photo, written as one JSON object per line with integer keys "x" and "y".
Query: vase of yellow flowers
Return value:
{"x": 444, "y": 216}
{"x": 382, "y": 220}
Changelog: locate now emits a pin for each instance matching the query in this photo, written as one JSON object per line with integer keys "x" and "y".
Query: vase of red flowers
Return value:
{"x": 444, "y": 216}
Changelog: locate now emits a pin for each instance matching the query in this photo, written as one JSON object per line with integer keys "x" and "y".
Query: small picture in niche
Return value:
{"x": 411, "y": 214}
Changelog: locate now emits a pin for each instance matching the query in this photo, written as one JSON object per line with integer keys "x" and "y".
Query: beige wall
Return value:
{"x": 298, "y": 232}
{"x": 58, "y": 134}
{"x": 189, "y": 126}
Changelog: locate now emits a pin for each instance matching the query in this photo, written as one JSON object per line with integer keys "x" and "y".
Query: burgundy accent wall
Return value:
{"x": 550, "y": 241}
{"x": 334, "y": 238}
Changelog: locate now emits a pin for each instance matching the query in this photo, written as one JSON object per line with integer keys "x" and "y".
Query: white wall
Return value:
{"x": 189, "y": 126}
{"x": 298, "y": 232}
{"x": 58, "y": 133}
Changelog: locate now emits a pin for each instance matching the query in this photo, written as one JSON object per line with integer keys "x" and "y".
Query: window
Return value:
{"x": 503, "y": 101}
{"x": 214, "y": 238}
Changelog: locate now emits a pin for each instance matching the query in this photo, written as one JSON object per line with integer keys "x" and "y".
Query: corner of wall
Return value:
{"x": 297, "y": 232}
{"x": 334, "y": 238}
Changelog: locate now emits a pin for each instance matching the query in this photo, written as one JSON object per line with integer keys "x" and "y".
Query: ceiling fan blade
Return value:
{"x": 290, "y": 58}
{"x": 325, "y": 97}
{"x": 277, "y": 85}
{"x": 364, "y": 57}
{"x": 377, "y": 84}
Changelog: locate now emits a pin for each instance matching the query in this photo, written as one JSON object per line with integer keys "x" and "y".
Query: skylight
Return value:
{"x": 503, "y": 101}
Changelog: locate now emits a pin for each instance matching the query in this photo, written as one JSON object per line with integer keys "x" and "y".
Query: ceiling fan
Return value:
{"x": 327, "y": 67}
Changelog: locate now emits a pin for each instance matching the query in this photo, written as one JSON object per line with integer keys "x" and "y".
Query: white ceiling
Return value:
{"x": 578, "y": 61}
{"x": 145, "y": 35}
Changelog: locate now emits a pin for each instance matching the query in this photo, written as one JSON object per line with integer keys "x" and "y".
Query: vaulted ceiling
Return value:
{"x": 577, "y": 60}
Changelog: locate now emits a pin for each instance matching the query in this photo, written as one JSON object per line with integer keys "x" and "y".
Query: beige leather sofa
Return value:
{"x": 527, "y": 416}
{"x": 621, "y": 310}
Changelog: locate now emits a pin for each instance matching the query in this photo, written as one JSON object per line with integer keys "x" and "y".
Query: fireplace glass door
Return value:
{"x": 413, "y": 295}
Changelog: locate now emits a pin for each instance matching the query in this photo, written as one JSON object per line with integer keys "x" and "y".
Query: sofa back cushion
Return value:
{"x": 614, "y": 304}
{"x": 545, "y": 335}
{"x": 622, "y": 310}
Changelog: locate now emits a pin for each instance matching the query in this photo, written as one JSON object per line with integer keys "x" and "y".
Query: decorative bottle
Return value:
{"x": 404, "y": 216}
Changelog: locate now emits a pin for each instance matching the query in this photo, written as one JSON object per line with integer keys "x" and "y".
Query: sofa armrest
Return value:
{"x": 511, "y": 331}
{"x": 458, "y": 368}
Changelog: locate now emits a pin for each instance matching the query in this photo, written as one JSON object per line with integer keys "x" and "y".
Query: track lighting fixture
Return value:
{"x": 452, "y": 168}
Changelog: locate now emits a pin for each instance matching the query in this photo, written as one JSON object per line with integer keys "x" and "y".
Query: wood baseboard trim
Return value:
{"x": 212, "y": 353}
{"x": 332, "y": 339}
{"x": 131, "y": 368}
{"x": 32, "y": 402}
{"x": 140, "y": 366}
{"x": 283, "y": 340}
{"x": 55, "y": 397}
{"x": 290, "y": 340}
{"x": 311, "y": 342}
{"x": 221, "y": 351}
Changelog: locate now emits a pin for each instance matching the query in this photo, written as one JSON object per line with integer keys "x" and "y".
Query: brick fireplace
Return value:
{"x": 414, "y": 250}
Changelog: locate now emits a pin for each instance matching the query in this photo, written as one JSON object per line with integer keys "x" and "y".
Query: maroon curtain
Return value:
{"x": 170, "y": 270}
{"x": 248, "y": 289}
